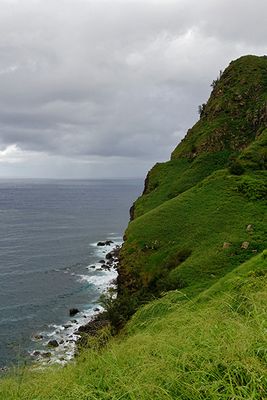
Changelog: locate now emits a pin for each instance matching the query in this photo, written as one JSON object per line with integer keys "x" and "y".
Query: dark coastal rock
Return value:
{"x": 73, "y": 311}
{"x": 96, "y": 309}
{"x": 38, "y": 337}
{"x": 109, "y": 256}
{"x": 105, "y": 267}
{"x": 67, "y": 326}
{"x": 53, "y": 343}
{"x": 113, "y": 255}
{"x": 36, "y": 353}
{"x": 92, "y": 266}
{"x": 102, "y": 261}
{"x": 93, "y": 326}
{"x": 105, "y": 243}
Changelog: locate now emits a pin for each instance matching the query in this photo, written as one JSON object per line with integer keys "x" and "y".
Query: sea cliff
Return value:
{"x": 197, "y": 211}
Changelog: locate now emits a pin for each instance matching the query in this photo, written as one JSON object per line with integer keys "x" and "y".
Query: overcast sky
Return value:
{"x": 106, "y": 88}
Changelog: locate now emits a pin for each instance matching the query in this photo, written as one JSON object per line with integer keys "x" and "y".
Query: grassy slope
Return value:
{"x": 213, "y": 347}
{"x": 196, "y": 224}
{"x": 169, "y": 179}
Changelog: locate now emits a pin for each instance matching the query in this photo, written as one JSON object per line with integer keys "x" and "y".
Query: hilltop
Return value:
{"x": 190, "y": 313}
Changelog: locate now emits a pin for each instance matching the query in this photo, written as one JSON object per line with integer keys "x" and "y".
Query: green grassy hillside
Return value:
{"x": 194, "y": 239}
{"x": 189, "y": 226}
{"x": 190, "y": 313}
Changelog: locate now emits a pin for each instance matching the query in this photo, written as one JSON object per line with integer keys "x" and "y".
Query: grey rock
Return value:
{"x": 38, "y": 337}
{"x": 53, "y": 343}
{"x": 73, "y": 311}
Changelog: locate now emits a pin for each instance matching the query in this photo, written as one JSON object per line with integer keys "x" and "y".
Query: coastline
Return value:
{"x": 60, "y": 345}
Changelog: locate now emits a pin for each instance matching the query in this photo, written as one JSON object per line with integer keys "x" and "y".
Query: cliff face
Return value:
{"x": 191, "y": 225}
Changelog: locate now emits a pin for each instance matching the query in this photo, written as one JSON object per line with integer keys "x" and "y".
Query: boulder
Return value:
{"x": 105, "y": 243}
{"x": 38, "y": 337}
{"x": 53, "y": 343}
{"x": 226, "y": 245}
{"x": 245, "y": 245}
{"x": 109, "y": 256}
{"x": 105, "y": 267}
{"x": 249, "y": 228}
{"x": 73, "y": 311}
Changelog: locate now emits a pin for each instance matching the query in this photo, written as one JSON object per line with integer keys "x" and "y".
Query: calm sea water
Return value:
{"x": 47, "y": 229}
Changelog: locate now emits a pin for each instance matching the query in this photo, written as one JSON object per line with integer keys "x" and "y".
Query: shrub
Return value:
{"x": 201, "y": 109}
{"x": 235, "y": 167}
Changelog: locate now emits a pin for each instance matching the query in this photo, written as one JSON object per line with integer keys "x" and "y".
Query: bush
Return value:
{"x": 201, "y": 109}
{"x": 235, "y": 167}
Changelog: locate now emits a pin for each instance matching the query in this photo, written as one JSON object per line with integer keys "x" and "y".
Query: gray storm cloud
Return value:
{"x": 107, "y": 88}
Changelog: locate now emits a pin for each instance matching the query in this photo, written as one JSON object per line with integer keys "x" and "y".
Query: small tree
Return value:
{"x": 201, "y": 109}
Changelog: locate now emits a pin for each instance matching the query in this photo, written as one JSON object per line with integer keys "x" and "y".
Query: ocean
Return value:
{"x": 49, "y": 259}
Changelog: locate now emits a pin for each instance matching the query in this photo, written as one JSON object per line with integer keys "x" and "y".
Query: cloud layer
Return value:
{"x": 94, "y": 88}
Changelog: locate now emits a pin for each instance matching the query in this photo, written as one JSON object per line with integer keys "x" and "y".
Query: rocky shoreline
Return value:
{"x": 99, "y": 320}
{"x": 63, "y": 343}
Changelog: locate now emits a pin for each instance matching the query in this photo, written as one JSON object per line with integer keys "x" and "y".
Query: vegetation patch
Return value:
{"x": 253, "y": 189}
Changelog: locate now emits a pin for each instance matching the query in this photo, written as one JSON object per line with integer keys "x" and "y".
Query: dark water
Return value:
{"x": 46, "y": 233}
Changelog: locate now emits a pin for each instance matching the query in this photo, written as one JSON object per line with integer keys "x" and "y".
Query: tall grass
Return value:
{"x": 212, "y": 347}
